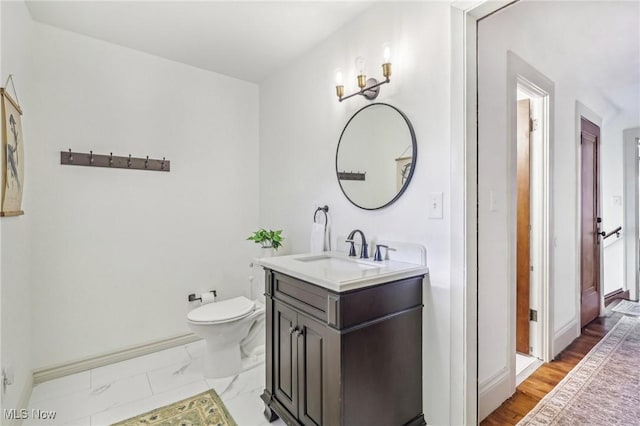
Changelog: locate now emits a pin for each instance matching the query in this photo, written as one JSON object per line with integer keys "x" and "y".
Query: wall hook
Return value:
{"x": 114, "y": 161}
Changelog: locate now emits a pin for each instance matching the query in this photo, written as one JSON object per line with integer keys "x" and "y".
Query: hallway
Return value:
{"x": 545, "y": 378}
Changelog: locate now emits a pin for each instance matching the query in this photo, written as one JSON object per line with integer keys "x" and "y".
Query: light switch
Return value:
{"x": 435, "y": 205}
{"x": 616, "y": 200}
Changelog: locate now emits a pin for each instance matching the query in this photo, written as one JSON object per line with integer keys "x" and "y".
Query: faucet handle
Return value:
{"x": 352, "y": 249}
{"x": 378, "y": 254}
{"x": 364, "y": 252}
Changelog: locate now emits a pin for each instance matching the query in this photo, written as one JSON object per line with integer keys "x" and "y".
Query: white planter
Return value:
{"x": 267, "y": 252}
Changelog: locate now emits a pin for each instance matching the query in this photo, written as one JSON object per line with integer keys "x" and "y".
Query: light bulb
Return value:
{"x": 360, "y": 65}
{"x": 386, "y": 53}
{"x": 338, "y": 77}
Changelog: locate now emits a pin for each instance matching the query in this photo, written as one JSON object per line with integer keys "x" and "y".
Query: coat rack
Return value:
{"x": 116, "y": 162}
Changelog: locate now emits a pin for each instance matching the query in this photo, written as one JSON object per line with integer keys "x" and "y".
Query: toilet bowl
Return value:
{"x": 225, "y": 327}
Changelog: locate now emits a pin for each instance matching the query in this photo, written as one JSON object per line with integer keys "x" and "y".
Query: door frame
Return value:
{"x": 582, "y": 111}
{"x": 520, "y": 73}
{"x": 630, "y": 226}
{"x": 463, "y": 393}
{"x": 540, "y": 91}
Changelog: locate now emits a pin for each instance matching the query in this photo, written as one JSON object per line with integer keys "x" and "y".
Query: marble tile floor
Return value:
{"x": 122, "y": 390}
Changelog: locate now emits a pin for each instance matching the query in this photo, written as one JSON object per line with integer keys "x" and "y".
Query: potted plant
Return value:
{"x": 267, "y": 239}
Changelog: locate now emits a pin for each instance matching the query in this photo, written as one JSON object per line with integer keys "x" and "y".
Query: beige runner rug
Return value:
{"x": 204, "y": 409}
{"x": 627, "y": 307}
{"x": 603, "y": 389}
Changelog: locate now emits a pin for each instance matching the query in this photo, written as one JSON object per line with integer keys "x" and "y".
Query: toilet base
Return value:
{"x": 222, "y": 362}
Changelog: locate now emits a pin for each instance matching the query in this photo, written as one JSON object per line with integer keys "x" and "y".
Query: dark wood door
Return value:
{"x": 523, "y": 233}
{"x": 285, "y": 357}
{"x": 589, "y": 222}
{"x": 311, "y": 368}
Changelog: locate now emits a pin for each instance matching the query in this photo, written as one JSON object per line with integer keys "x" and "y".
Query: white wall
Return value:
{"x": 115, "y": 252}
{"x": 300, "y": 124}
{"x": 524, "y": 29}
{"x": 630, "y": 226}
{"x": 16, "y": 291}
{"x": 613, "y": 197}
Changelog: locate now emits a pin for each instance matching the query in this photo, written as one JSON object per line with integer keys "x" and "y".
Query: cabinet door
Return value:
{"x": 285, "y": 353}
{"x": 311, "y": 369}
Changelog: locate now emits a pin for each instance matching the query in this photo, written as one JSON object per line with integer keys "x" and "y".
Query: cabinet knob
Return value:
{"x": 297, "y": 331}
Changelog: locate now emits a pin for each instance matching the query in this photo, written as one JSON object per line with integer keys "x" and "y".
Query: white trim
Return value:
{"x": 583, "y": 111}
{"x": 520, "y": 73}
{"x": 491, "y": 390}
{"x": 565, "y": 336}
{"x": 463, "y": 365}
{"x": 84, "y": 364}
{"x": 540, "y": 336}
{"x": 529, "y": 370}
{"x": 464, "y": 159}
{"x": 630, "y": 225}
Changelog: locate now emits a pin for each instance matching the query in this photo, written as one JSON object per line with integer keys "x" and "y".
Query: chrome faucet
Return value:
{"x": 364, "y": 252}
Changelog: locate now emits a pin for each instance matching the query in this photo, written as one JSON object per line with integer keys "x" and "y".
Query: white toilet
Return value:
{"x": 230, "y": 328}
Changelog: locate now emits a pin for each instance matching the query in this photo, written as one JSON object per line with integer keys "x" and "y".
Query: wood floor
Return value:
{"x": 550, "y": 374}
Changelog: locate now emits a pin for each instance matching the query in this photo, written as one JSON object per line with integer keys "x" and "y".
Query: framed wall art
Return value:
{"x": 403, "y": 168}
{"x": 12, "y": 156}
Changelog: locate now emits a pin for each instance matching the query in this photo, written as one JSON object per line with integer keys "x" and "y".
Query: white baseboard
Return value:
{"x": 65, "y": 369}
{"x": 493, "y": 392}
{"x": 563, "y": 337}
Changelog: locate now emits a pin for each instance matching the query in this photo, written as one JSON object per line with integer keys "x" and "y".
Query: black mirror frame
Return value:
{"x": 414, "y": 147}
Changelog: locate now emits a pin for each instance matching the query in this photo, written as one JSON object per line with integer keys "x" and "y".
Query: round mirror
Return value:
{"x": 376, "y": 156}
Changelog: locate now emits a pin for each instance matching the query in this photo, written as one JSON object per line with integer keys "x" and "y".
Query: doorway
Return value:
{"x": 590, "y": 220}
{"x": 530, "y": 126}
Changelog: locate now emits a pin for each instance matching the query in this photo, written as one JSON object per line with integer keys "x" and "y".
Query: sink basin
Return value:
{"x": 336, "y": 262}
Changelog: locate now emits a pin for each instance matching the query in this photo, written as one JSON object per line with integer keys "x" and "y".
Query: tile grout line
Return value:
{"x": 146, "y": 373}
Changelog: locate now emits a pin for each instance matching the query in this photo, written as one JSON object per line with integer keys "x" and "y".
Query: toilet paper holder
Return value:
{"x": 193, "y": 298}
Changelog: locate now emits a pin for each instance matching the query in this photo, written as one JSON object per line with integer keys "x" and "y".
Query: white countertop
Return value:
{"x": 338, "y": 272}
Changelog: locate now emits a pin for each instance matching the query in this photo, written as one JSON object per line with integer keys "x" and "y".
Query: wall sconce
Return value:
{"x": 369, "y": 87}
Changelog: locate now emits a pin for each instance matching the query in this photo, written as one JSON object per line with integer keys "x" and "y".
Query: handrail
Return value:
{"x": 615, "y": 231}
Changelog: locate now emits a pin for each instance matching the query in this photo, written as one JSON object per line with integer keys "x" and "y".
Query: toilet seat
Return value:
{"x": 224, "y": 311}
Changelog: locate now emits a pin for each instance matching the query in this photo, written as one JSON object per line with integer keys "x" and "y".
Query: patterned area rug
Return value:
{"x": 205, "y": 409}
{"x": 627, "y": 307}
{"x": 603, "y": 389}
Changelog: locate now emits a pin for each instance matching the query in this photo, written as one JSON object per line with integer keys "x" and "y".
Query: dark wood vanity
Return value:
{"x": 349, "y": 358}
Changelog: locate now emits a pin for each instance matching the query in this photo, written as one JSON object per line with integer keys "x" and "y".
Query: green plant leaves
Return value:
{"x": 268, "y": 238}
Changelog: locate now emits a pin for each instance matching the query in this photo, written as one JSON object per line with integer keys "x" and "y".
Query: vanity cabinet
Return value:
{"x": 343, "y": 358}
{"x": 298, "y": 363}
